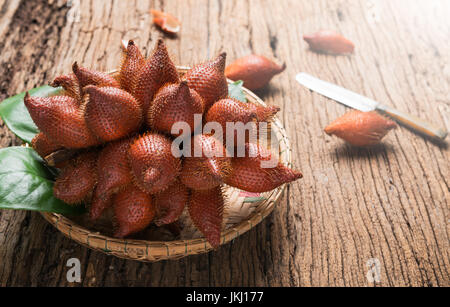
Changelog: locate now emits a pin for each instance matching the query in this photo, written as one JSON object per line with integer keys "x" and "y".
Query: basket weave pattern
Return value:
{"x": 243, "y": 213}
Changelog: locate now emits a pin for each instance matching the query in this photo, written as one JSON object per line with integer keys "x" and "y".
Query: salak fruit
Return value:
{"x": 133, "y": 211}
{"x": 361, "y": 128}
{"x": 206, "y": 168}
{"x": 230, "y": 110}
{"x": 92, "y": 77}
{"x": 111, "y": 113}
{"x": 60, "y": 119}
{"x": 206, "y": 211}
{"x": 153, "y": 165}
{"x": 114, "y": 174}
{"x": 111, "y": 138}
{"x": 132, "y": 63}
{"x": 157, "y": 71}
{"x": 255, "y": 70}
{"x": 167, "y": 22}
{"x": 209, "y": 80}
{"x": 327, "y": 41}
{"x": 170, "y": 203}
{"x": 248, "y": 173}
{"x": 77, "y": 180}
{"x": 174, "y": 103}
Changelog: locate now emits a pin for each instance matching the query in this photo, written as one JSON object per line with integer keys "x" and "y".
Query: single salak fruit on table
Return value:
{"x": 114, "y": 174}
{"x": 60, "y": 119}
{"x": 77, "y": 179}
{"x": 206, "y": 212}
{"x": 170, "y": 203}
{"x": 133, "y": 211}
{"x": 329, "y": 42}
{"x": 43, "y": 146}
{"x": 174, "y": 103}
{"x": 167, "y": 22}
{"x": 132, "y": 63}
{"x": 111, "y": 113}
{"x": 157, "y": 71}
{"x": 361, "y": 128}
{"x": 258, "y": 171}
{"x": 255, "y": 70}
{"x": 207, "y": 168}
{"x": 208, "y": 79}
{"x": 153, "y": 165}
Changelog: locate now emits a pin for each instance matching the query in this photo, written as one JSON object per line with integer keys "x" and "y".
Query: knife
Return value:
{"x": 365, "y": 104}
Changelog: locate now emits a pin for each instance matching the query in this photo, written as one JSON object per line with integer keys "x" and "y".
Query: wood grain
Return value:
{"x": 390, "y": 202}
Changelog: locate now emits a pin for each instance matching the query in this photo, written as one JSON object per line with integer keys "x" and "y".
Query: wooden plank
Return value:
{"x": 390, "y": 202}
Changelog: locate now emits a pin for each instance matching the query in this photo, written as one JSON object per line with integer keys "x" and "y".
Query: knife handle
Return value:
{"x": 414, "y": 123}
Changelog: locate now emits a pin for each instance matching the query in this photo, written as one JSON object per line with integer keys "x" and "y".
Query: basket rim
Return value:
{"x": 141, "y": 249}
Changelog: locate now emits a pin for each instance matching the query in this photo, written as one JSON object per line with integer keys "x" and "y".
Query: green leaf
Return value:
{"x": 26, "y": 184}
{"x": 16, "y": 116}
{"x": 235, "y": 91}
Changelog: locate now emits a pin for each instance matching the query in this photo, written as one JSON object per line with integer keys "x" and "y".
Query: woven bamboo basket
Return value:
{"x": 242, "y": 212}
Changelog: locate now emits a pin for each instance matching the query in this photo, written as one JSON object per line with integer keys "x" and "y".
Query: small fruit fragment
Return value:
{"x": 209, "y": 168}
{"x": 111, "y": 113}
{"x": 172, "y": 104}
{"x": 59, "y": 118}
{"x": 361, "y": 128}
{"x": 43, "y": 146}
{"x": 166, "y": 22}
{"x": 255, "y": 70}
{"x": 132, "y": 63}
{"x": 157, "y": 71}
{"x": 114, "y": 174}
{"x": 153, "y": 165}
{"x": 91, "y": 77}
{"x": 249, "y": 174}
{"x": 77, "y": 179}
{"x": 209, "y": 81}
{"x": 329, "y": 42}
{"x": 133, "y": 211}
{"x": 70, "y": 85}
{"x": 170, "y": 203}
{"x": 206, "y": 212}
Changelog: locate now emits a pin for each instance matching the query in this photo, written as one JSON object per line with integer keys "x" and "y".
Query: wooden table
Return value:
{"x": 389, "y": 203}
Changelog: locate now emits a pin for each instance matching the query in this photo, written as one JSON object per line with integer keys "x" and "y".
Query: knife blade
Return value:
{"x": 365, "y": 104}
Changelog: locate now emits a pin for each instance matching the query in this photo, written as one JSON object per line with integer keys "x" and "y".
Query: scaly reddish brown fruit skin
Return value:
{"x": 70, "y": 85}
{"x": 209, "y": 80}
{"x": 329, "y": 42}
{"x": 170, "y": 203}
{"x": 174, "y": 103}
{"x": 361, "y": 128}
{"x": 60, "y": 119}
{"x": 114, "y": 174}
{"x": 255, "y": 70}
{"x": 248, "y": 174}
{"x": 77, "y": 179}
{"x": 208, "y": 170}
{"x": 157, "y": 71}
{"x": 132, "y": 63}
{"x": 91, "y": 77}
{"x": 43, "y": 145}
{"x": 206, "y": 212}
{"x": 154, "y": 167}
{"x": 263, "y": 114}
{"x": 133, "y": 211}
{"x": 111, "y": 113}
{"x": 230, "y": 110}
